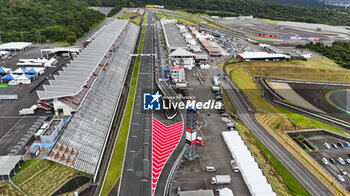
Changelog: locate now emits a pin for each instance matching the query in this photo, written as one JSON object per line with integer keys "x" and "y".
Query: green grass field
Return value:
{"x": 247, "y": 84}
{"x": 43, "y": 177}
{"x": 6, "y": 189}
{"x": 114, "y": 172}
{"x": 135, "y": 17}
{"x": 4, "y": 85}
{"x": 314, "y": 69}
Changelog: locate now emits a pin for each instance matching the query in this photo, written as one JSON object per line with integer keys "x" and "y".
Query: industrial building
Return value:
{"x": 182, "y": 57}
{"x": 16, "y": 46}
{"x": 52, "y": 131}
{"x": 197, "y": 193}
{"x": 8, "y": 166}
{"x": 262, "y": 56}
{"x": 173, "y": 37}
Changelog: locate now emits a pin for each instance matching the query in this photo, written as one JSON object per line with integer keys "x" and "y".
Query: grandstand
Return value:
{"x": 73, "y": 83}
{"x": 83, "y": 141}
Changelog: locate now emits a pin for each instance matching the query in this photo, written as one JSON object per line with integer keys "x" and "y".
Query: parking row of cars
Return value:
{"x": 339, "y": 159}
{"x": 340, "y": 144}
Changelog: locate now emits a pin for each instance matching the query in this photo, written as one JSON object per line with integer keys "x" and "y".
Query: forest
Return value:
{"x": 259, "y": 9}
{"x": 339, "y": 52}
{"x": 43, "y": 21}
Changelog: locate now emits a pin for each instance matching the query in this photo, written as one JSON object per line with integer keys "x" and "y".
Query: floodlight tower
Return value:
{"x": 191, "y": 132}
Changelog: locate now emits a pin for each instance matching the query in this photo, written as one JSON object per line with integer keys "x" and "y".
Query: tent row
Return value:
{"x": 20, "y": 75}
{"x": 31, "y": 70}
{"x": 251, "y": 173}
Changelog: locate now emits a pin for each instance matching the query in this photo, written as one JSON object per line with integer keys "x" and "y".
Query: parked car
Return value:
{"x": 332, "y": 160}
{"x": 341, "y": 178}
{"x": 341, "y": 160}
{"x": 343, "y": 172}
{"x": 224, "y": 115}
{"x": 348, "y": 161}
{"x": 335, "y": 146}
{"x": 326, "y": 145}
{"x": 341, "y": 144}
{"x": 210, "y": 169}
{"x": 347, "y": 144}
{"x": 325, "y": 161}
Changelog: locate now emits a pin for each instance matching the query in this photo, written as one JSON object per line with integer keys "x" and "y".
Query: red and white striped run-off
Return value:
{"x": 165, "y": 139}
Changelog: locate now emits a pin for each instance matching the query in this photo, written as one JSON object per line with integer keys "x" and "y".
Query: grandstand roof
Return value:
{"x": 173, "y": 36}
{"x": 88, "y": 61}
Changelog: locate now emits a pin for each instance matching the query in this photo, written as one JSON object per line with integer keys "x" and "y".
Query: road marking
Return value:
{"x": 12, "y": 128}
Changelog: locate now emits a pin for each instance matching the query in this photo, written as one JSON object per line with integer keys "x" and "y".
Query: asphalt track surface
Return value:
{"x": 136, "y": 176}
{"x": 299, "y": 171}
{"x": 316, "y": 95}
{"x": 341, "y": 99}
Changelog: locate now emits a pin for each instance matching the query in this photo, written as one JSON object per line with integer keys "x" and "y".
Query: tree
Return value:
{"x": 71, "y": 39}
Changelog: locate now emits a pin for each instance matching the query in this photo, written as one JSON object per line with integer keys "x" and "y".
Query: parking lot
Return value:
{"x": 16, "y": 131}
{"x": 191, "y": 175}
{"x": 318, "y": 139}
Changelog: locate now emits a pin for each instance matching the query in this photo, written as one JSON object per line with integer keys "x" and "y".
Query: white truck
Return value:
{"x": 28, "y": 111}
{"x": 220, "y": 179}
{"x": 234, "y": 166}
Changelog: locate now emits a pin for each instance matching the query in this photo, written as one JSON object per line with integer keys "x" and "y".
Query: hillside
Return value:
{"x": 338, "y": 52}
{"x": 44, "y": 20}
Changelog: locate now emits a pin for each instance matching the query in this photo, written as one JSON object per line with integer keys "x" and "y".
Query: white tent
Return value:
{"x": 251, "y": 173}
{"x": 19, "y": 71}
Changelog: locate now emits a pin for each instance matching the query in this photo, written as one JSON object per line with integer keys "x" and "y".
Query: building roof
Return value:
{"x": 261, "y": 55}
{"x": 173, "y": 36}
{"x": 197, "y": 193}
{"x": 89, "y": 61}
{"x": 251, "y": 173}
{"x": 181, "y": 52}
{"x": 8, "y": 163}
{"x": 15, "y": 46}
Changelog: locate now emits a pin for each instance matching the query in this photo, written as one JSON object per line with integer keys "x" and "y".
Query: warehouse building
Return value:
{"x": 262, "y": 56}
{"x": 16, "y": 46}
{"x": 182, "y": 57}
{"x": 173, "y": 37}
{"x": 8, "y": 166}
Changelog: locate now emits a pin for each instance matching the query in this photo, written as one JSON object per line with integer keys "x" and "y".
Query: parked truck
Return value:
{"x": 234, "y": 166}
{"x": 28, "y": 111}
{"x": 221, "y": 179}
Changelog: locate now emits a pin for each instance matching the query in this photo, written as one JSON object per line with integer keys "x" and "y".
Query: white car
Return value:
{"x": 348, "y": 161}
{"x": 341, "y": 160}
{"x": 343, "y": 172}
{"x": 341, "y": 178}
{"x": 325, "y": 161}
{"x": 326, "y": 145}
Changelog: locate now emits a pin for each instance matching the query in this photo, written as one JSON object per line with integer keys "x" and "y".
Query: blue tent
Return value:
{"x": 4, "y": 70}
{"x": 31, "y": 71}
{"x": 9, "y": 77}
